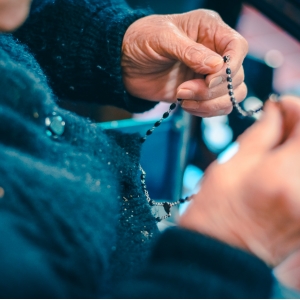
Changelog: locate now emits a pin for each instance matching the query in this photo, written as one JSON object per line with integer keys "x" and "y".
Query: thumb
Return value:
{"x": 265, "y": 134}
{"x": 197, "y": 57}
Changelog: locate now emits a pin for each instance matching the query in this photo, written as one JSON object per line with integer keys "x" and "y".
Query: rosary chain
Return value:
{"x": 240, "y": 110}
{"x": 168, "y": 205}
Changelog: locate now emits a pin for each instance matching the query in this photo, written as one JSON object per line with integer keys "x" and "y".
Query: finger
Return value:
{"x": 196, "y": 89}
{"x": 215, "y": 107}
{"x": 265, "y": 134}
{"x": 197, "y": 57}
{"x": 290, "y": 106}
{"x": 291, "y": 143}
{"x": 237, "y": 49}
{"x": 211, "y": 114}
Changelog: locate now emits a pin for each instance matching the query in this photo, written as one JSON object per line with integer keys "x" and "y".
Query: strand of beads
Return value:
{"x": 240, "y": 110}
{"x": 157, "y": 123}
{"x": 166, "y": 205}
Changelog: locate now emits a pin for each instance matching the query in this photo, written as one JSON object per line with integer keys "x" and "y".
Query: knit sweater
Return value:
{"x": 73, "y": 217}
{"x": 64, "y": 197}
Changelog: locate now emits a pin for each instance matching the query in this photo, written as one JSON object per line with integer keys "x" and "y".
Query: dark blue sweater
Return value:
{"x": 63, "y": 197}
{"x": 65, "y": 230}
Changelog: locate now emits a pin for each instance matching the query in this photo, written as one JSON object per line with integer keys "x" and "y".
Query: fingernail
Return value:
{"x": 185, "y": 94}
{"x": 215, "y": 81}
{"x": 190, "y": 104}
{"x": 213, "y": 61}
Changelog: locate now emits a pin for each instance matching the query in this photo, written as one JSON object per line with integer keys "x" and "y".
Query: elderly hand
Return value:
{"x": 253, "y": 200}
{"x": 165, "y": 57}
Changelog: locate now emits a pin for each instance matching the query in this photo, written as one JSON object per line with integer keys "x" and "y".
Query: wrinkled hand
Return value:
{"x": 253, "y": 200}
{"x": 165, "y": 57}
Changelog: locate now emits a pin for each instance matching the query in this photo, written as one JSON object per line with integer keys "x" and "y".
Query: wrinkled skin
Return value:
{"x": 165, "y": 57}
{"x": 253, "y": 200}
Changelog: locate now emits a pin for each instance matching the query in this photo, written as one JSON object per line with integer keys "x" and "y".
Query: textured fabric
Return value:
{"x": 185, "y": 264}
{"x": 63, "y": 198}
{"x": 73, "y": 217}
{"x": 78, "y": 45}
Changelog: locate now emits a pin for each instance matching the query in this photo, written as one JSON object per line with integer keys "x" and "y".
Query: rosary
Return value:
{"x": 168, "y": 205}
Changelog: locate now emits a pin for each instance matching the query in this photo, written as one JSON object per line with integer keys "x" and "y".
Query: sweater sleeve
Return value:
{"x": 185, "y": 264}
{"x": 78, "y": 45}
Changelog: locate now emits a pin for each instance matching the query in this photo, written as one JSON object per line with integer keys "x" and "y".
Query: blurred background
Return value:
{"x": 186, "y": 145}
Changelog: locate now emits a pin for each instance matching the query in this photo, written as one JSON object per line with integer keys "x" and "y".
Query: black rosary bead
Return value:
{"x": 226, "y": 58}
{"x": 165, "y": 115}
{"x": 166, "y": 205}
{"x": 239, "y": 109}
{"x": 157, "y": 123}
{"x": 149, "y": 132}
{"x": 172, "y": 106}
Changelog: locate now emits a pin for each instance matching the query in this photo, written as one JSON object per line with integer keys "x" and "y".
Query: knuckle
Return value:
{"x": 242, "y": 92}
{"x": 189, "y": 53}
{"x": 215, "y": 108}
{"x": 228, "y": 110}
{"x": 193, "y": 56}
{"x": 211, "y": 107}
{"x": 214, "y": 14}
{"x": 210, "y": 95}
{"x": 244, "y": 46}
{"x": 242, "y": 76}
{"x": 239, "y": 78}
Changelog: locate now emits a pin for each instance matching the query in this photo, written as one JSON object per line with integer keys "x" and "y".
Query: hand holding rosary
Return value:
{"x": 168, "y": 205}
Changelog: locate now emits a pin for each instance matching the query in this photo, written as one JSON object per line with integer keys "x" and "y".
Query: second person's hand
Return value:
{"x": 253, "y": 200}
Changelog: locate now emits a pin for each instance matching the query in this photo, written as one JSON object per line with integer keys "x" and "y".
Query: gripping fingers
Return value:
{"x": 196, "y": 89}
{"x": 237, "y": 49}
{"x": 215, "y": 107}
